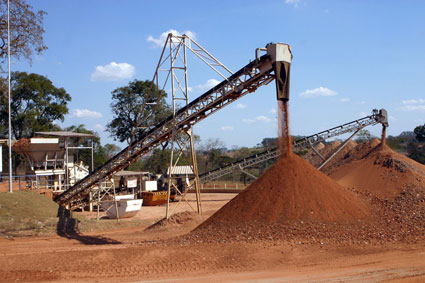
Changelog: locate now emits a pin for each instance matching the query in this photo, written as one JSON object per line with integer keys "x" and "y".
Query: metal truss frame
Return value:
{"x": 247, "y": 79}
{"x": 182, "y": 143}
{"x": 354, "y": 126}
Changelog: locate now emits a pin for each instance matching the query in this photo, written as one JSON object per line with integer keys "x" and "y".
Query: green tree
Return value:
{"x": 158, "y": 162}
{"x": 364, "y": 136}
{"x": 35, "y": 104}
{"x": 134, "y": 103}
{"x": 26, "y": 30}
{"x": 111, "y": 149}
{"x": 416, "y": 151}
{"x": 269, "y": 142}
{"x": 420, "y": 133}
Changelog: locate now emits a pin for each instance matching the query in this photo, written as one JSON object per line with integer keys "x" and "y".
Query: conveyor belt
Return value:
{"x": 246, "y": 80}
{"x": 376, "y": 117}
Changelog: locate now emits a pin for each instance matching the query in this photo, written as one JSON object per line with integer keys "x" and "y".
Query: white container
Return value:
{"x": 120, "y": 197}
{"x": 126, "y": 207}
{"x": 151, "y": 186}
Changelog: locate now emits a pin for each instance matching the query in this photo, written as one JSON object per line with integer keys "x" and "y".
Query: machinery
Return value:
{"x": 281, "y": 56}
{"x": 50, "y": 163}
{"x": 377, "y": 117}
{"x": 255, "y": 74}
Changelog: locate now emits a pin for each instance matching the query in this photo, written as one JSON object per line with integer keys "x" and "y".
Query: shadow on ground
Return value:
{"x": 68, "y": 228}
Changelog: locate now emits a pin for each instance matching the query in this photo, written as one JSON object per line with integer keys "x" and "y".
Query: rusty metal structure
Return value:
{"x": 377, "y": 117}
{"x": 256, "y": 73}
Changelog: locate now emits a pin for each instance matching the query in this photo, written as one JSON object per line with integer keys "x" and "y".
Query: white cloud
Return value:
{"x": 413, "y": 105}
{"x": 208, "y": 85}
{"x": 414, "y": 101}
{"x": 160, "y": 41}
{"x": 260, "y": 118}
{"x": 363, "y": 114}
{"x": 273, "y": 111}
{"x": 293, "y": 2}
{"x": 320, "y": 91}
{"x": 99, "y": 127}
{"x": 345, "y": 99}
{"x": 263, "y": 119}
{"x": 392, "y": 118}
{"x": 85, "y": 113}
{"x": 413, "y": 108}
{"x": 226, "y": 128}
{"x": 240, "y": 106}
{"x": 113, "y": 72}
{"x": 248, "y": 121}
{"x": 362, "y": 102}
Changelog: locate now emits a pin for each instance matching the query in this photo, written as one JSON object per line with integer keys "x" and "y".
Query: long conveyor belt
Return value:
{"x": 246, "y": 80}
{"x": 376, "y": 117}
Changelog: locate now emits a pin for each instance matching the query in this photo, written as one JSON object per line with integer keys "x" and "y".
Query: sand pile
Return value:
{"x": 292, "y": 189}
{"x": 294, "y": 202}
{"x": 377, "y": 169}
{"x": 185, "y": 218}
{"x": 291, "y": 193}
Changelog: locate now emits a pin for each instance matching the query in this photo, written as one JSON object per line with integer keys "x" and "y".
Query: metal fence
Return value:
{"x": 25, "y": 182}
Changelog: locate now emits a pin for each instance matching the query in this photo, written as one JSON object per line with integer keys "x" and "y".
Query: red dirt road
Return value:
{"x": 136, "y": 254}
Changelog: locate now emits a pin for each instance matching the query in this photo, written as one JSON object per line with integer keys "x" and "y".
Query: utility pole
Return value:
{"x": 8, "y": 81}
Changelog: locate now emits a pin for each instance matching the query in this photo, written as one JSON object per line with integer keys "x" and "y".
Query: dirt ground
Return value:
{"x": 138, "y": 254}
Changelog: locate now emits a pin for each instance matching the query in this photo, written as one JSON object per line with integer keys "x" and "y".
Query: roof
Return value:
{"x": 129, "y": 173}
{"x": 65, "y": 134}
{"x": 181, "y": 170}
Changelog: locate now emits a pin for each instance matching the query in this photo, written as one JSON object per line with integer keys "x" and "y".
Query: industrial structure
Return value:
{"x": 53, "y": 159}
{"x": 354, "y": 127}
{"x": 275, "y": 63}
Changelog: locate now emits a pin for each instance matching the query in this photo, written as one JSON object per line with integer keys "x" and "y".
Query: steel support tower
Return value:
{"x": 176, "y": 75}
{"x": 250, "y": 77}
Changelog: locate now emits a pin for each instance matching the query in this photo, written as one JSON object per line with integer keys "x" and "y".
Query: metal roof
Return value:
{"x": 181, "y": 170}
{"x": 130, "y": 173}
{"x": 65, "y": 134}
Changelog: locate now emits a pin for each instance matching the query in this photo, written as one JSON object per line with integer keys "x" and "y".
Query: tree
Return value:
{"x": 158, "y": 162}
{"x": 420, "y": 133}
{"x": 134, "y": 103}
{"x": 364, "y": 136}
{"x": 35, "y": 104}
{"x": 269, "y": 142}
{"x": 26, "y": 30}
{"x": 111, "y": 150}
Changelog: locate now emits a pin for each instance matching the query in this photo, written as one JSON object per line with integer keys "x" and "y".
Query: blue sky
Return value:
{"x": 349, "y": 57}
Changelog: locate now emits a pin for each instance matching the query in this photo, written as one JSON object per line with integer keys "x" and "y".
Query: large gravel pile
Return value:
{"x": 294, "y": 202}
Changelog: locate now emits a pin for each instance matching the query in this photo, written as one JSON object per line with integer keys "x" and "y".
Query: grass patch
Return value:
{"x": 26, "y": 211}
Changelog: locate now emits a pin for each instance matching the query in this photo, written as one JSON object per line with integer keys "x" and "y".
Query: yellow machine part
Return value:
{"x": 155, "y": 198}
